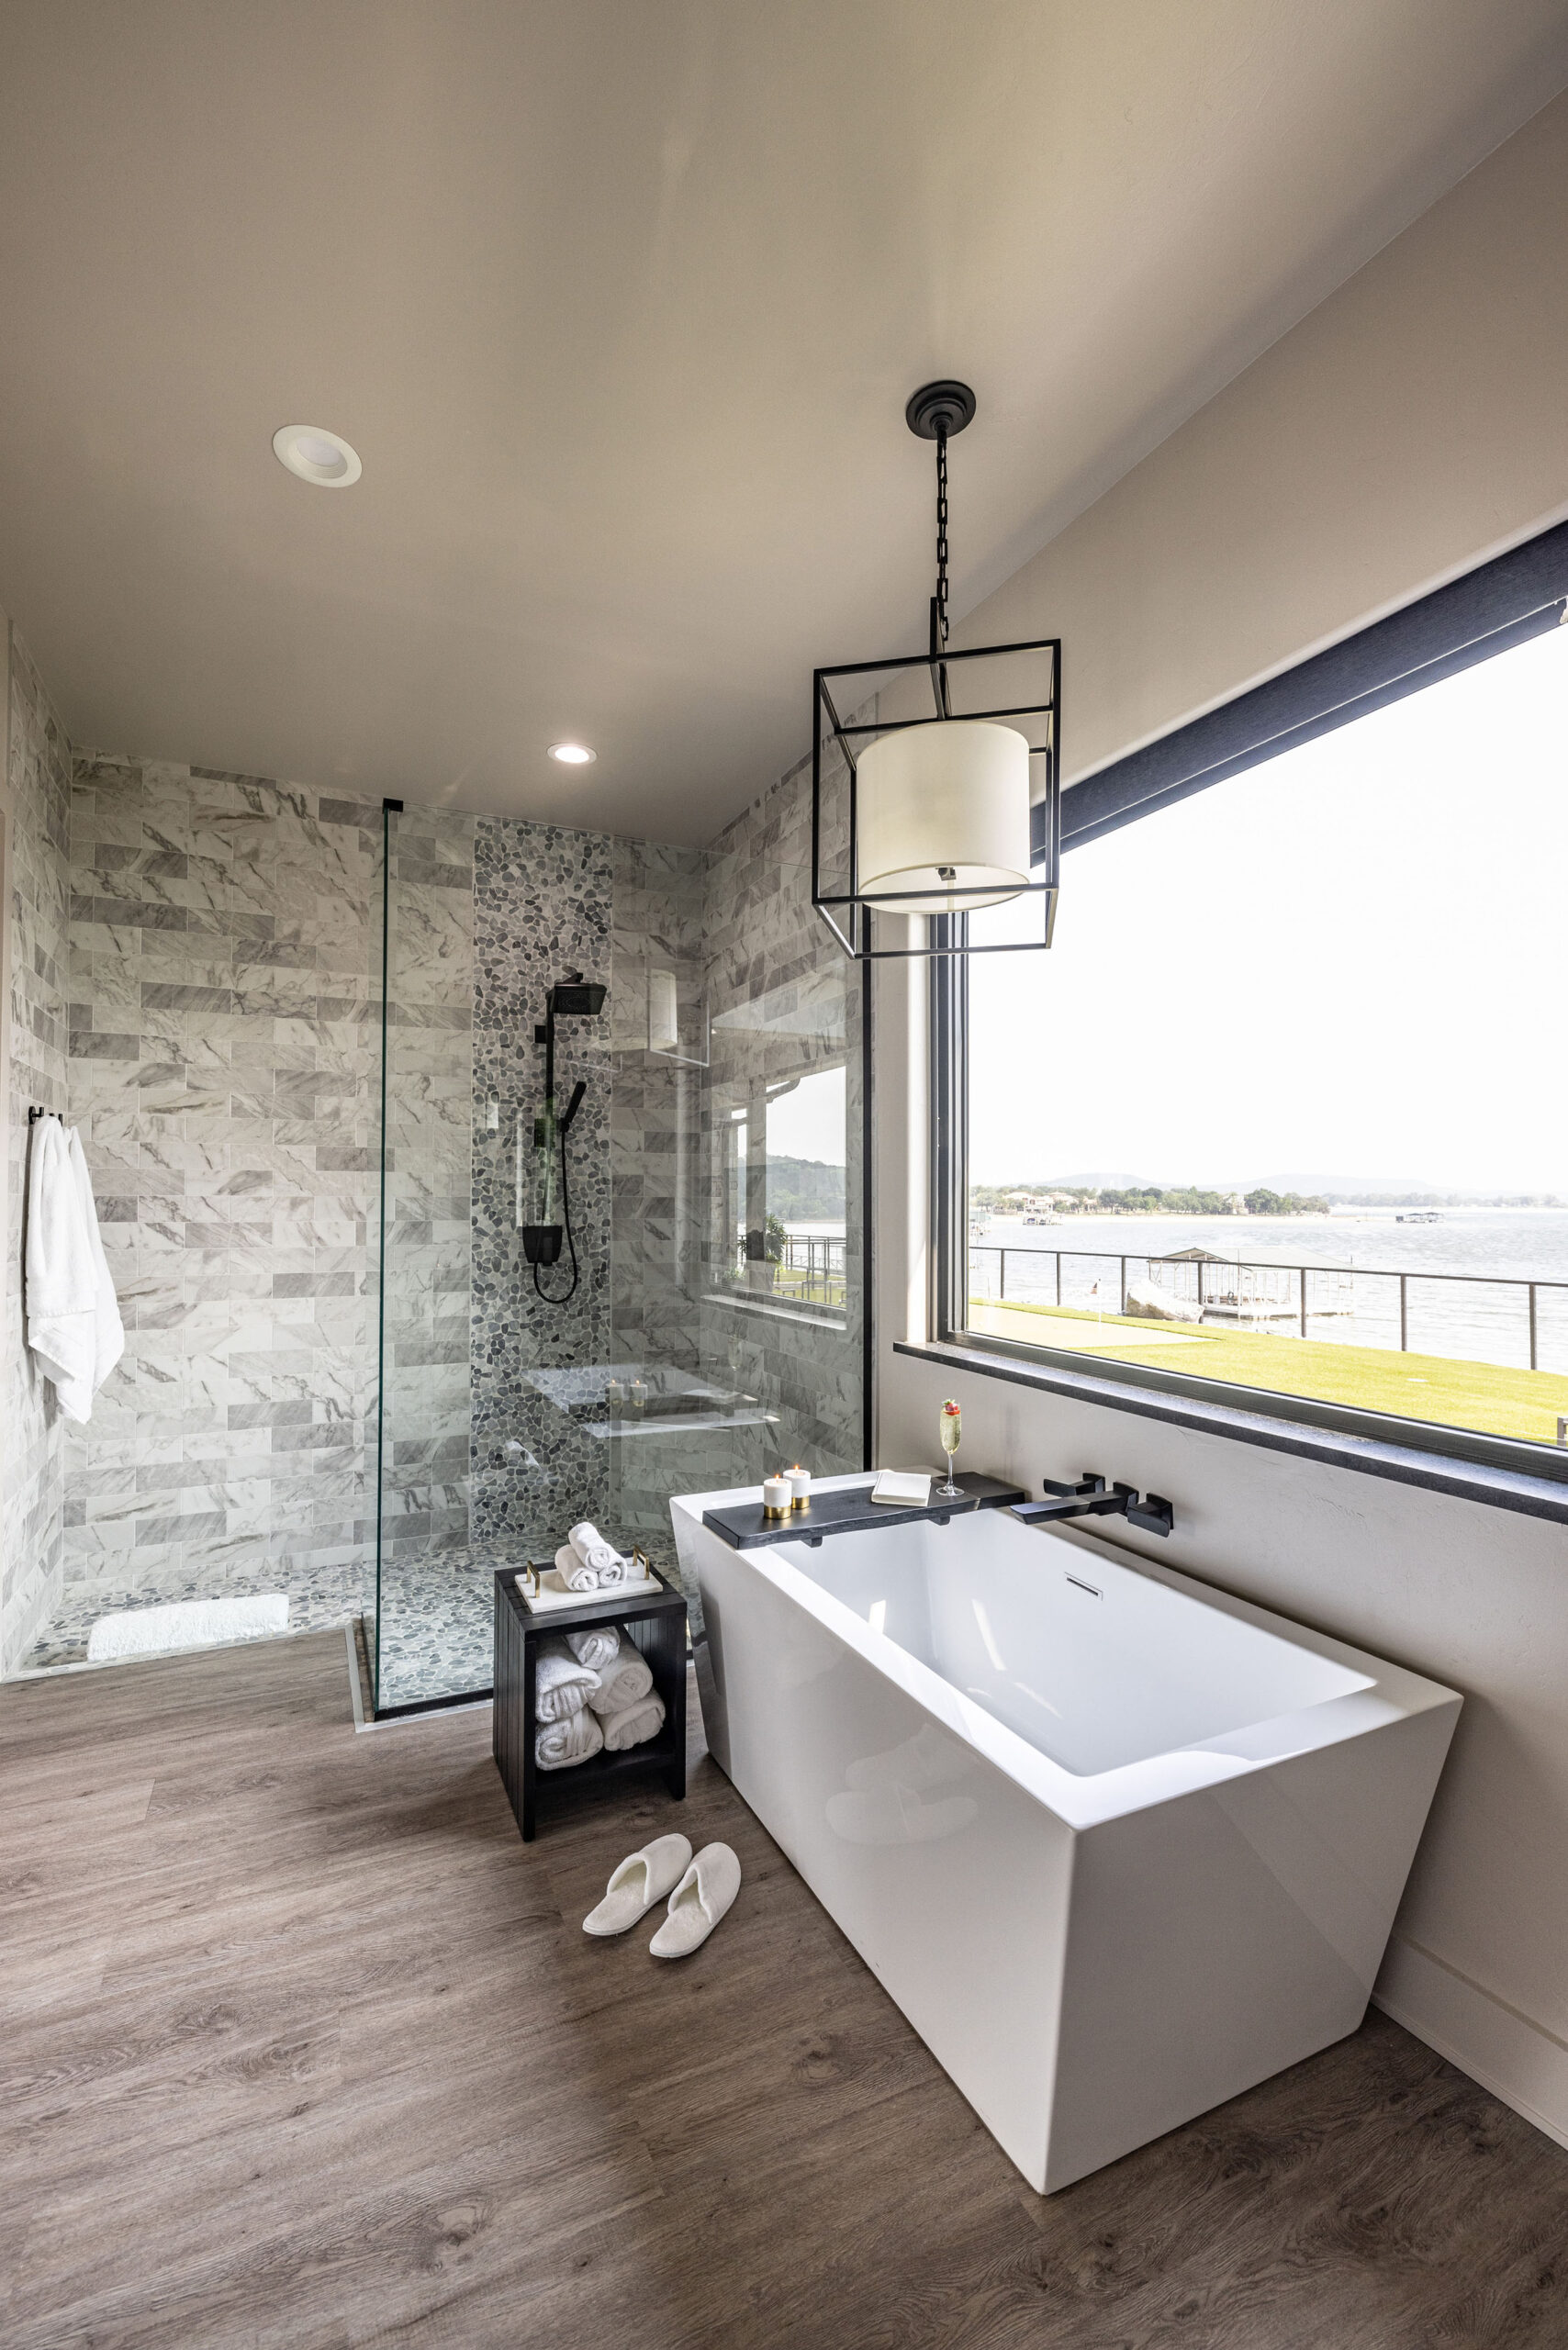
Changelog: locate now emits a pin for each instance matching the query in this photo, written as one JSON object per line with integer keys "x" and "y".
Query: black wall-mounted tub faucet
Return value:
{"x": 1091, "y": 1498}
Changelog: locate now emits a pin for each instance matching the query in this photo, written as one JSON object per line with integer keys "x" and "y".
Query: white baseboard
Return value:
{"x": 1519, "y": 2061}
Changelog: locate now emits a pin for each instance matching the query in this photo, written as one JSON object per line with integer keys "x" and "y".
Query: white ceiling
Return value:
{"x": 620, "y": 301}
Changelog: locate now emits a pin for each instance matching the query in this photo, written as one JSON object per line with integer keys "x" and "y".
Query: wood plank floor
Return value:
{"x": 302, "y": 2046}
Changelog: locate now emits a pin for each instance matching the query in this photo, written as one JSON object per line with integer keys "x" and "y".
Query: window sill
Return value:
{"x": 1488, "y": 1482}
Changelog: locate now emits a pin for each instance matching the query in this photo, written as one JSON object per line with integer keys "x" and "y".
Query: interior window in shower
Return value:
{"x": 780, "y": 1181}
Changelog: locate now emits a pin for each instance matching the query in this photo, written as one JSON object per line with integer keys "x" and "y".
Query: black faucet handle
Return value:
{"x": 1153, "y": 1513}
{"x": 1087, "y": 1483}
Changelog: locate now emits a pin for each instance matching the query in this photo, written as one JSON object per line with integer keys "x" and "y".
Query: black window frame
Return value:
{"x": 1517, "y": 596}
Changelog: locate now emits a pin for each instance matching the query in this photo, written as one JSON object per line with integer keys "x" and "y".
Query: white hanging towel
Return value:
{"x": 108, "y": 1330}
{"x": 73, "y": 1323}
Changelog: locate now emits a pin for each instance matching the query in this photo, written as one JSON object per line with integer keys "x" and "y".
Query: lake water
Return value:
{"x": 1484, "y": 1320}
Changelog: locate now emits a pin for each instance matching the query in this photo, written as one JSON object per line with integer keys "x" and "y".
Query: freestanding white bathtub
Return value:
{"x": 1118, "y": 1844}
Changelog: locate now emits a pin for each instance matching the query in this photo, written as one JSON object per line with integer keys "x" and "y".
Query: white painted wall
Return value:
{"x": 1413, "y": 424}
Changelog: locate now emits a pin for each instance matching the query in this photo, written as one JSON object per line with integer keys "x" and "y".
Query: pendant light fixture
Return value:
{"x": 938, "y": 794}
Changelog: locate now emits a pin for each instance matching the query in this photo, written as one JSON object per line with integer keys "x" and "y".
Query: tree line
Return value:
{"x": 1147, "y": 1199}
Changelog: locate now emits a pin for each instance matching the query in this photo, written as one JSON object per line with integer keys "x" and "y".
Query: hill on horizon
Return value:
{"x": 805, "y": 1189}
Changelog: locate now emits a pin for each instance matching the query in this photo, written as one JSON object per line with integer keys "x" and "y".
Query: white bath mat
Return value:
{"x": 188, "y": 1624}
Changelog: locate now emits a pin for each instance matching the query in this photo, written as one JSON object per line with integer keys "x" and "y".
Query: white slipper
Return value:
{"x": 698, "y": 1901}
{"x": 642, "y": 1879}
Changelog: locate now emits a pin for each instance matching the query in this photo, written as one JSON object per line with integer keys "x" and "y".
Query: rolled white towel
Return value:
{"x": 572, "y": 1571}
{"x": 557, "y": 1745}
{"x": 595, "y": 1552}
{"x": 596, "y": 1648}
{"x": 561, "y": 1685}
{"x": 622, "y": 1684}
{"x": 643, "y": 1719}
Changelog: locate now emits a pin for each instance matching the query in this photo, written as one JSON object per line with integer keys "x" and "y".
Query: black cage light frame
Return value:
{"x": 945, "y": 935}
{"x": 937, "y": 412}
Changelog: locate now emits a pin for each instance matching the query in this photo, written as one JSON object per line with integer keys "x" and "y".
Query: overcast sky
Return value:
{"x": 808, "y": 1122}
{"x": 1350, "y": 962}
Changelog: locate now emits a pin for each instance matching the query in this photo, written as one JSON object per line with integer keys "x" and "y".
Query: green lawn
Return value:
{"x": 809, "y": 1289}
{"x": 1480, "y": 1395}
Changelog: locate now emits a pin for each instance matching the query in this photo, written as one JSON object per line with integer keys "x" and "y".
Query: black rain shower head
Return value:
{"x": 583, "y": 997}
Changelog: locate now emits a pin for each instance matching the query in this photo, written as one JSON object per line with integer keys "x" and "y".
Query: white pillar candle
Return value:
{"x": 776, "y": 1495}
{"x": 800, "y": 1486}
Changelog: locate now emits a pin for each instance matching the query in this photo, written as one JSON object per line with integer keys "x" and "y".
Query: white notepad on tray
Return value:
{"x": 553, "y": 1593}
{"x": 908, "y": 1488}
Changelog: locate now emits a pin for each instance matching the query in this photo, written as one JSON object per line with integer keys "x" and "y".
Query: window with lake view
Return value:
{"x": 1283, "y": 1106}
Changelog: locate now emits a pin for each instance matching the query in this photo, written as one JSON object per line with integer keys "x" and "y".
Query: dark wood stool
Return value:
{"x": 656, "y": 1622}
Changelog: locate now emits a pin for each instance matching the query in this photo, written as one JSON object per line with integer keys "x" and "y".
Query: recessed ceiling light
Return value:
{"x": 316, "y": 455}
{"x": 572, "y": 755}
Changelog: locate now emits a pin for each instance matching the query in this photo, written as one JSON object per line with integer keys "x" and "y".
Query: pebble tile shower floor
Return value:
{"x": 437, "y": 1619}
{"x": 436, "y": 1628}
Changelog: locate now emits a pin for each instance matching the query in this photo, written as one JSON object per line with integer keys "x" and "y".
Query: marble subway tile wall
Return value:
{"x": 657, "y": 1121}
{"x": 221, "y": 1002}
{"x": 37, "y": 881}
{"x": 220, "y": 1063}
{"x": 543, "y": 901}
{"x": 659, "y": 1194}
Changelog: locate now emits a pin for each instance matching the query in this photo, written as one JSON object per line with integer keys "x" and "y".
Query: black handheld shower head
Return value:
{"x": 573, "y": 997}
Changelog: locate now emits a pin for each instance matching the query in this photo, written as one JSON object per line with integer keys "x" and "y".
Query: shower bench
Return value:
{"x": 657, "y": 1625}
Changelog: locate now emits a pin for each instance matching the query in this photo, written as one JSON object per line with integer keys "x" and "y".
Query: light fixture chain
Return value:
{"x": 942, "y": 535}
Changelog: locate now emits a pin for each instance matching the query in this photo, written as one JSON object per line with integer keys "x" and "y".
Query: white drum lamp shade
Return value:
{"x": 939, "y": 808}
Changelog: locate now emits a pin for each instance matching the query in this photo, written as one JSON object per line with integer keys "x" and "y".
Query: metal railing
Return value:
{"x": 810, "y": 1270}
{"x": 813, "y": 1269}
{"x": 1247, "y": 1290}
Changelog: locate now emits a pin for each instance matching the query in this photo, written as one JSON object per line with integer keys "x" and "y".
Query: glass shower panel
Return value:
{"x": 703, "y": 1323}
{"x": 376, "y": 1251}
{"x": 738, "y": 1326}
{"x": 653, "y": 1411}
{"x": 432, "y": 1619}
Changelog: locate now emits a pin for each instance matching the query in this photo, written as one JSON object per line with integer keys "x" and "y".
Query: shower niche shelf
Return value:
{"x": 659, "y": 1007}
